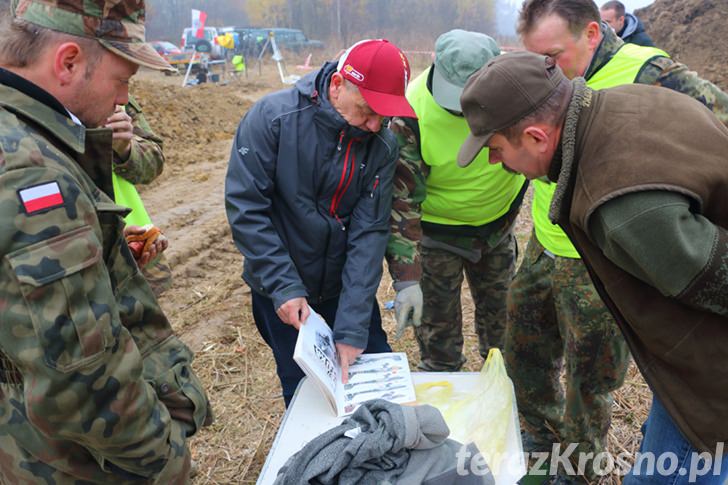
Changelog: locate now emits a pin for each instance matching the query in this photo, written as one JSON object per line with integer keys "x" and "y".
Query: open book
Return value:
{"x": 371, "y": 376}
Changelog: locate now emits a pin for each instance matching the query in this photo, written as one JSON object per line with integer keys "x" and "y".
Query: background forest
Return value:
{"x": 412, "y": 24}
{"x": 407, "y": 22}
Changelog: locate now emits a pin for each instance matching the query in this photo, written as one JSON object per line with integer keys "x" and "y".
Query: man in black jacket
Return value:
{"x": 628, "y": 27}
{"x": 308, "y": 197}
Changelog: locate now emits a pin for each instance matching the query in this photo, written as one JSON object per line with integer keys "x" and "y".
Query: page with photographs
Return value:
{"x": 371, "y": 376}
{"x": 376, "y": 376}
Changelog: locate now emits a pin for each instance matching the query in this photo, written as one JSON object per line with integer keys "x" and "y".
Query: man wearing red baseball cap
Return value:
{"x": 380, "y": 71}
{"x": 308, "y": 196}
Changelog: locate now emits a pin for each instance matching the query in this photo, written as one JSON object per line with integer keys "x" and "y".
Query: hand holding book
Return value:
{"x": 294, "y": 312}
{"x": 345, "y": 375}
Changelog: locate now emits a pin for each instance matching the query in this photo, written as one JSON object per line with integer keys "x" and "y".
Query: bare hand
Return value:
{"x": 347, "y": 356}
{"x": 155, "y": 249}
{"x": 145, "y": 252}
{"x": 120, "y": 123}
{"x": 294, "y": 312}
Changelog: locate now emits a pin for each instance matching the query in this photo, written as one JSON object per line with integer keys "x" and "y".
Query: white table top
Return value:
{"x": 309, "y": 415}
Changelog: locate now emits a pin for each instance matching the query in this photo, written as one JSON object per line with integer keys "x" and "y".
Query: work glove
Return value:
{"x": 407, "y": 306}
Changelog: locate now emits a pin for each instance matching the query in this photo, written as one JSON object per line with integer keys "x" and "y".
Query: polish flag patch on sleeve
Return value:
{"x": 41, "y": 197}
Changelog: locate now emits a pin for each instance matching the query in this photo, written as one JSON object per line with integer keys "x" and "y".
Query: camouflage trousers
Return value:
{"x": 158, "y": 274}
{"x": 555, "y": 318}
{"x": 440, "y": 337}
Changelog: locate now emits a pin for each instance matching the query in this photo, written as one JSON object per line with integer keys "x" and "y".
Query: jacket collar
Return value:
{"x": 609, "y": 46}
{"x": 315, "y": 87}
{"x": 22, "y": 97}
{"x": 581, "y": 99}
{"x": 631, "y": 25}
{"x": 92, "y": 146}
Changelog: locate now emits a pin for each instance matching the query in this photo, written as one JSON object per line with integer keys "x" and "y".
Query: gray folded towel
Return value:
{"x": 382, "y": 442}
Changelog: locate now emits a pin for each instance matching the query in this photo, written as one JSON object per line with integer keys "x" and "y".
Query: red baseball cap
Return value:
{"x": 381, "y": 72}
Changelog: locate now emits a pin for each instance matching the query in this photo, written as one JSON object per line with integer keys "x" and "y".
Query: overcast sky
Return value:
{"x": 631, "y": 5}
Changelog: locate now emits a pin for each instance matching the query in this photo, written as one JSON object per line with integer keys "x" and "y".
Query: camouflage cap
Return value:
{"x": 117, "y": 24}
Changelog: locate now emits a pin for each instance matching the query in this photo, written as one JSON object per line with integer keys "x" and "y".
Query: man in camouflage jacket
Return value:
{"x": 138, "y": 158}
{"x": 465, "y": 223}
{"x": 142, "y": 159}
{"x": 94, "y": 386}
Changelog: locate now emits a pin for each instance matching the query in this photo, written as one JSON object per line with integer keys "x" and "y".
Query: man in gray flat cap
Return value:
{"x": 650, "y": 227}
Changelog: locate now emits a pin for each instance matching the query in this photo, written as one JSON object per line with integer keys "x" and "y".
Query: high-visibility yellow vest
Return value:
{"x": 623, "y": 68}
{"x": 126, "y": 194}
{"x": 473, "y": 196}
{"x": 238, "y": 63}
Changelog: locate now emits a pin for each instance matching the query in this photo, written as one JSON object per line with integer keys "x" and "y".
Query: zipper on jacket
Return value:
{"x": 349, "y": 167}
{"x": 374, "y": 187}
{"x": 343, "y": 227}
{"x": 322, "y": 281}
{"x": 338, "y": 192}
{"x": 341, "y": 139}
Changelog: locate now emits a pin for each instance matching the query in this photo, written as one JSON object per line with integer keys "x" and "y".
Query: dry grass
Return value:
{"x": 240, "y": 379}
{"x": 238, "y": 371}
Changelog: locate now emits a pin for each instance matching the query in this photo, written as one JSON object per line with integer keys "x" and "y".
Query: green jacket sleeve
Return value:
{"x": 146, "y": 159}
{"x": 656, "y": 237}
{"x": 403, "y": 255}
{"x": 665, "y": 72}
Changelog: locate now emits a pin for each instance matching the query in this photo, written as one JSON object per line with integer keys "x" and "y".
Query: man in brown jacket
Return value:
{"x": 650, "y": 226}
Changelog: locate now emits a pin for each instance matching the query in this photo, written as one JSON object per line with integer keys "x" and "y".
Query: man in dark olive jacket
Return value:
{"x": 651, "y": 228}
{"x": 308, "y": 197}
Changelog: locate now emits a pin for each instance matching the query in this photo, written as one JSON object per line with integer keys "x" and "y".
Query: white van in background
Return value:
{"x": 210, "y": 33}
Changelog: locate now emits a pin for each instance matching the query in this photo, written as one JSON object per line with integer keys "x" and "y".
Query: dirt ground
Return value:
{"x": 210, "y": 306}
{"x": 691, "y": 31}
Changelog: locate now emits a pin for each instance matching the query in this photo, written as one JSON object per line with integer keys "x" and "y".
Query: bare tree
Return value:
{"x": 410, "y": 23}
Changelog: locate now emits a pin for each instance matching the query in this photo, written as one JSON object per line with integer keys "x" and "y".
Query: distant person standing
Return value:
{"x": 628, "y": 27}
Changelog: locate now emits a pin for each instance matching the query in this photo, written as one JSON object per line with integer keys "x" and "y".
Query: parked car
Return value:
{"x": 171, "y": 53}
{"x": 189, "y": 41}
{"x": 165, "y": 48}
{"x": 252, "y": 40}
{"x": 295, "y": 40}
